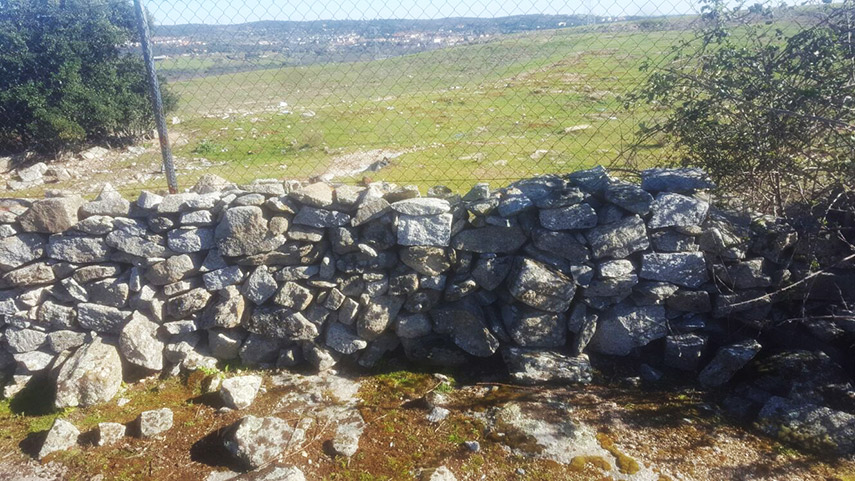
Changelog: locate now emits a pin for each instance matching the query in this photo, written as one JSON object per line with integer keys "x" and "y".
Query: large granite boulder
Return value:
{"x": 92, "y": 375}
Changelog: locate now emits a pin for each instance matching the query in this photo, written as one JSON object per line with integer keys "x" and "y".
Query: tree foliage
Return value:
{"x": 766, "y": 107}
{"x": 67, "y": 75}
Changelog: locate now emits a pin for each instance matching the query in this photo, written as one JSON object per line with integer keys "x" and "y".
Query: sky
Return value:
{"x": 169, "y": 12}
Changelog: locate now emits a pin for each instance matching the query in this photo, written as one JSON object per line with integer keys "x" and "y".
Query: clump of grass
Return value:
{"x": 578, "y": 463}
{"x": 625, "y": 464}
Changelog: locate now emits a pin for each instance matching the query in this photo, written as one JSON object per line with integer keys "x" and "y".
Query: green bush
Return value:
{"x": 66, "y": 76}
{"x": 765, "y": 107}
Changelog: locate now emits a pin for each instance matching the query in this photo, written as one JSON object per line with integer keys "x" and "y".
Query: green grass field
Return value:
{"x": 483, "y": 112}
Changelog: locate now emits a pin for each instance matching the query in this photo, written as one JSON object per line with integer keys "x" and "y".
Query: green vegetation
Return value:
{"x": 486, "y": 111}
{"x": 765, "y": 108}
{"x": 64, "y": 80}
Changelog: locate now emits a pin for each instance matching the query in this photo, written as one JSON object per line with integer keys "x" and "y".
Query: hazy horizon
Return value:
{"x": 227, "y": 12}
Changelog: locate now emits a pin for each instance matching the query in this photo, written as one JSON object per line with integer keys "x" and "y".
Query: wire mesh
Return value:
{"x": 440, "y": 92}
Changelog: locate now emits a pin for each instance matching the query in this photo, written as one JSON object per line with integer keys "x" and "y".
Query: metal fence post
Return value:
{"x": 156, "y": 100}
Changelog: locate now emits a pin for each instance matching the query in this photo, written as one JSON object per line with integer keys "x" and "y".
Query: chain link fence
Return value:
{"x": 442, "y": 92}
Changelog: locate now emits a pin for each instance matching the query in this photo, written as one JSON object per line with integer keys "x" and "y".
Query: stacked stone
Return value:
{"x": 280, "y": 273}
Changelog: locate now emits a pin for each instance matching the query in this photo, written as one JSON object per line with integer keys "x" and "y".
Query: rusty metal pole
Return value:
{"x": 156, "y": 99}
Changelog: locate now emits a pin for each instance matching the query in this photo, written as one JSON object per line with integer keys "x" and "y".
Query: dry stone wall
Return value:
{"x": 542, "y": 272}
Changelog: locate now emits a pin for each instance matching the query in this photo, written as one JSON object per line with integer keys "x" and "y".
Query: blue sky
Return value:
{"x": 241, "y": 11}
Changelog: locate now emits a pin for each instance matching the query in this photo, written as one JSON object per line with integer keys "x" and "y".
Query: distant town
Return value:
{"x": 224, "y": 48}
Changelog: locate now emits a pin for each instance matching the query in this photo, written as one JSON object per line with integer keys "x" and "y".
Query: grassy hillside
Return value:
{"x": 479, "y": 112}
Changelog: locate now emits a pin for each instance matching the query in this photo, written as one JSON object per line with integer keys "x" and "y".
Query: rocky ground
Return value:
{"x": 400, "y": 424}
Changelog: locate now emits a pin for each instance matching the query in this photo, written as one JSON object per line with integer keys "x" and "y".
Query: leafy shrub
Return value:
{"x": 767, "y": 112}
{"x": 66, "y": 77}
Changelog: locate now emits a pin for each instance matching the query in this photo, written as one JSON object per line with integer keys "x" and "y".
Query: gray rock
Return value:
{"x": 625, "y": 327}
{"x": 345, "y": 442}
{"x": 684, "y": 180}
{"x": 294, "y": 295}
{"x": 250, "y": 199}
{"x": 688, "y": 269}
{"x": 370, "y": 209}
{"x": 197, "y": 218}
{"x": 50, "y": 216}
{"x": 257, "y": 350}
{"x": 727, "y": 361}
{"x": 92, "y": 375}
{"x": 139, "y": 345}
{"x": 20, "y": 249}
{"x": 32, "y": 172}
{"x": 108, "y": 292}
{"x": 256, "y": 441}
{"x": 348, "y": 311}
{"x": 438, "y": 414}
{"x": 421, "y": 206}
{"x": 110, "y": 433}
{"x": 100, "y": 318}
{"x": 31, "y": 275}
{"x": 148, "y": 246}
{"x": 490, "y": 239}
{"x": 318, "y": 194}
{"x": 464, "y": 321}
{"x": 490, "y": 272}
{"x": 629, "y": 197}
{"x": 535, "y": 284}
{"x": 343, "y": 339}
{"x": 213, "y": 261}
{"x": 32, "y": 362}
{"x": 675, "y": 210}
{"x": 173, "y": 203}
{"x": 227, "y": 310}
{"x": 242, "y": 231}
{"x": 513, "y": 202}
{"x": 749, "y": 274}
{"x": 260, "y": 286}
{"x": 412, "y": 326}
{"x": 182, "y": 306}
{"x": 154, "y": 422}
{"x": 240, "y": 392}
{"x": 584, "y": 326}
{"x": 574, "y": 217}
{"x": 222, "y": 278}
{"x": 348, "y": 195}
{"x": 432, "y": 230}
{"x": 619, "y": 239}
{"x": 377, "y": 315}
{"x": 281, "y": 323}
{"x": 320, "y": 358}
{"x": 684, "y": 351}
{"x": 209, "y": 183}
{"x": 532, "y": 328}
{"x": 96, "y": 272}
{"x": 61, "y": 436}
{"x": 812, "y": 427}
{"x": 615, "y": 269}
{"x": 112, "y": 206}
{"x": 321, "y": 218}
{"x": 562, "y": 244}
{"x": 672, "y": 241}
{"x": 57, "y": 315}
{"x": 689, "y": 301}
{"x": 148, "y": 200}
{"x": 225, "y": 344}
{"x": 594, "y": 180}
{"x": 18, "y": 340}
{"x": 171, "y": 270}
{"x": 532, "y": 366}
{"x": 190, "y": 239}
{"x": 426, "y": 260}
{"x": 59, "y": 341}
